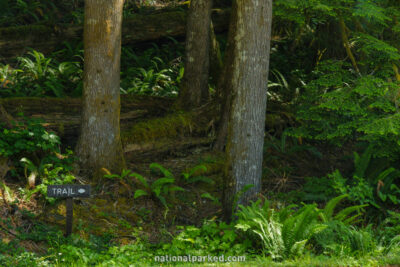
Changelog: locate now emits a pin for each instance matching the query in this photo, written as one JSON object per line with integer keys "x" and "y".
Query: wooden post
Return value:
{"x": 70, "y": 216}
{"x": 68, "y": 192}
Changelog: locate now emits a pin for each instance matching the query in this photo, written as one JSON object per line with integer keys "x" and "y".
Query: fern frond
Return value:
{"x": 327, "y": 212}
{"x": 343, "y": 214}
{"x": 361, "y": 162}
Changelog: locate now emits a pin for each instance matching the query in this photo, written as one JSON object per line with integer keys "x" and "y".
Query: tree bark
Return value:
{"x": 247, "y": 77}
{"x": 194, "y": 86}
{"x": 99, "y": 145}
{"x": 216, "y": 63}
{"x": 224, "y": 86}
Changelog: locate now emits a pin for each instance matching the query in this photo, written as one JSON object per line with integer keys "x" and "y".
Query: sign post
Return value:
{"x": 68, "y": 192}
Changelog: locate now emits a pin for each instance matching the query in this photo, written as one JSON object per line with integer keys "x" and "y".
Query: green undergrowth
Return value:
{"x": 264, "y": 233}
{"x": 171, "y": 126}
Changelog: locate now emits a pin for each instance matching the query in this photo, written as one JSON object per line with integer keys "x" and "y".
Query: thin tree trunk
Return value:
{"x": 194, "y": 86}
{"x": 248, "y": 77}
{"x": 216, "y": 63}
{"x": 99, "y": 144}
{"x": 224, "y": 86}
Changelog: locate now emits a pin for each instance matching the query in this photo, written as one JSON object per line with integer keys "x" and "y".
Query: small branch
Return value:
{"x": 396, "y": 71}
{"x": 346, "y": 44}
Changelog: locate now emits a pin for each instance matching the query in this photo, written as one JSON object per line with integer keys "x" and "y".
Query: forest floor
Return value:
{"x": 112, "y": 207}
{"x": 113, "y": 214}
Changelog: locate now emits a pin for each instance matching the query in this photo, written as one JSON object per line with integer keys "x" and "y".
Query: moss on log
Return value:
{"x": 146, "y": 125}
{"x": 170, "y": 126}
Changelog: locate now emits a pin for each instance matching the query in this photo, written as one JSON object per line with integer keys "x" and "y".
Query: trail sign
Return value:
{"x": 69, "y": 192}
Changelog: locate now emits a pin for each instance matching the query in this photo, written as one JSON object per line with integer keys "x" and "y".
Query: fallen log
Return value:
{"x": 15, "y": 41}
{"x": 148, "y": 128}
{"x": 63, "y": 115}
{"x": 161, "y": 148}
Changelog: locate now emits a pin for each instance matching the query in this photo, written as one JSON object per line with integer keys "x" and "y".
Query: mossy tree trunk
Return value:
{"x": 99, "y": 145}
{"x": 194, "y": 86}
{"x": 247, "y": 77}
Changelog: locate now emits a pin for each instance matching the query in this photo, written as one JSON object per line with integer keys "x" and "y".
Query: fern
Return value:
{"x": 345, "y": 216}
{"x": 339, "y": 239}
{"x": 282, "y": 234}
{"x": 361, "y": 163}
{"x": 157, "y": 167}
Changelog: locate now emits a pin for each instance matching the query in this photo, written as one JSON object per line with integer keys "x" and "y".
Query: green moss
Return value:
{"x": 170, "y": 126}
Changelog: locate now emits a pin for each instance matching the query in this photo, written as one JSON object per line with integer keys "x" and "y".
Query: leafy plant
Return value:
{"x": 155, "y": 71}
{"x": 283, "y": 234}
{"x": 192, "y": 176}
{"x": 389, "y": 228}
{"x": 339, "y": 106}
{"x": 161, "y": 189}
{"x": 318, "y": 189}
{"x": 212, "y": 238}
{"x": 36, "y": 155}
{"x": 122, "y": 178}
{"x": 40, "y": 76}
{"x": 27, "y": 137}
{"x": 343, "y": 216}
{"x": 340, "y": 239}
{"x": 371, "y": 182}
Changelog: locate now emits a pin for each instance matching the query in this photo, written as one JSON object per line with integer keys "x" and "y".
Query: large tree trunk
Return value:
{"x": 194, "y": 86}
{"x": 99, "y": 144}
{"x": 248, "y": 77}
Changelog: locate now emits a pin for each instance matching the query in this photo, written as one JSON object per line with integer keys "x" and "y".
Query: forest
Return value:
{"x": 199, "y": 133}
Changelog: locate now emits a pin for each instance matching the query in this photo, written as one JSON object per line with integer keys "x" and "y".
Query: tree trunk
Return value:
{"x": 194, "y": 86}
{"x": 247, "y": 77}
{"x": 216, "y": 63}
{"x": 224, "y": 86}
{"x": 99, "y": 145}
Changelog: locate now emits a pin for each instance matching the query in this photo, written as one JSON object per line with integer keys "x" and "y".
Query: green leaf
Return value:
{"x": 161, "y": 182}
{"x": 175, "y": 188}
{"x": 198, "y": 168}
{"x": 163, "y": 201}
{"x": 139, "y": 193}
{"x": 164, "y": 171}
{"x": 140, "y": 178}
{"x": 343, "y": 214}
{"x": 330, "y": 206}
